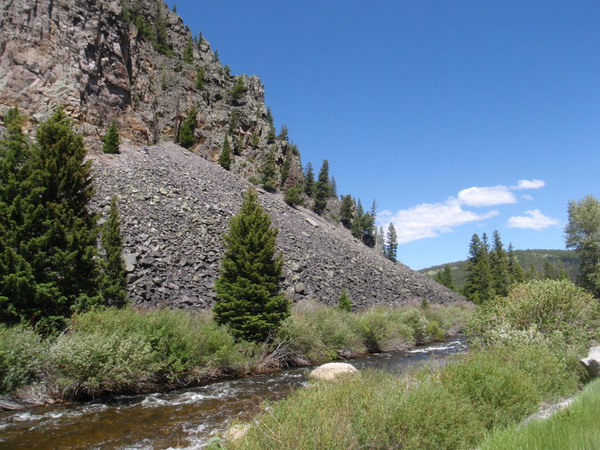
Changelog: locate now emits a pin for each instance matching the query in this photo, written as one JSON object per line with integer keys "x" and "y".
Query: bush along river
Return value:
{"x": 185, "y": 418}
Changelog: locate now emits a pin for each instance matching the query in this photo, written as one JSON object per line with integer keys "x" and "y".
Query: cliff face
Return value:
{"x": 123, "y": 60}
{"x": 175, "y": 206}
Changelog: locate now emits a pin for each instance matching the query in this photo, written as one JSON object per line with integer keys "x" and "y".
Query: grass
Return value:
{"x": 113, "y": 351}
{"x": 524, "y": 353}
{"x": 446, "y": 407}
{"x": 575, "y": 427}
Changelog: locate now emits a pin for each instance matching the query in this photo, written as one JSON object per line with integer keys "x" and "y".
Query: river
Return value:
{"x": 185, "y": 418}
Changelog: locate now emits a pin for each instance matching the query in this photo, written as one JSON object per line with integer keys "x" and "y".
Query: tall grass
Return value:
{"x": 523, "y": 355}
{"x": 575, "y": 427}
{"x": 109, "y": 351}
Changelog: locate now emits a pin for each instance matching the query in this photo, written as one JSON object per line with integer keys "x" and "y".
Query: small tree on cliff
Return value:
{"x": 248, "y": 298}
{"x": 188, "y": 127}
{"x": 111, "y": 139}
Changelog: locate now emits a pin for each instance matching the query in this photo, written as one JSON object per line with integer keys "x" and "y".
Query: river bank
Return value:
{"x": 186, "y": 418}
{"x": 108, "y": 353}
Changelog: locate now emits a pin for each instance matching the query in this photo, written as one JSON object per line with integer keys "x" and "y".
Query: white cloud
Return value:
{"x": 430, "y": 220}
{"x": 534, "y": 220}
{"x": 486, "y": 196}
{"x": 529, "y": 184}
{"x": 527, "y": 197}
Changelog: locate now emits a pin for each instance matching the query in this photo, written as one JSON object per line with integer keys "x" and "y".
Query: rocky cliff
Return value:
{"x": 136, "y": 62}
{"x": 175, "y": 206}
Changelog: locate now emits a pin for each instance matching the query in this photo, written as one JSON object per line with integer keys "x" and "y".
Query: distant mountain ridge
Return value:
{"x": 566, "y": 259}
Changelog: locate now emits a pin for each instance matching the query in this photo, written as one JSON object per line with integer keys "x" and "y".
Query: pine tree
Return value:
{"x": 478, "y": 286}
{"x": 113, "y": 284}
{"x": 239, "y": 89}
{"x": 50, "y": 265}
{"x": 499, "y": 267}
{"x": 444, "y": 277}
{"x": 345, "y": 303}
{"x": 188, "y": 128}
{"x": 309, "y": 183}
{"x": 380, "y": 241}
{"x": 391, "y": 245}
{"x": 515, "y": 271}
{"x": 283, "y": 133}
{"x": 225, "y": 155}
{"x": 188, "y": 52}
{"x": 293, "y": 196}
{"x": 248, "y": 298}
{"x": 333, "y": 185}
{"x": 346, "y": 211}
{"x": 111, "y": 139}
{"x": 268, "y": 172}
{"x": 200, "y": 74}
{"x": 323, "y": 188}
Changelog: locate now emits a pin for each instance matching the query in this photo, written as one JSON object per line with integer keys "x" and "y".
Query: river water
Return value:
{"x": 185, "y": 418}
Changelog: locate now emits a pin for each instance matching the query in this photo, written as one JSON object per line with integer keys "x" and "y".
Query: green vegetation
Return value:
{"x": 47, "y": 233}
{"x": 110, "y": 351}
{"x": 574, "y": 427}
{"x": 188, "y": 52}
{"x": 525, "y": 355}
{"x": 225, "y": 155}
{"x": 345, "y": 303}
{"x": 322, "y": 189}
{"x": 390, "y": 248}
{"x": 444, "y": 277}
{"x": 200, "y": 75}
{"x": 268, "y": 172}
{"x": 239, "y": 89}
{"x": 188, "y": 128}
{"x": 111, "y": 139}
{"x": 113, "y": 281}
{"x": 583, "y": 234}
{"x": 293, "y": 196}
{"x": 248, "y": 298}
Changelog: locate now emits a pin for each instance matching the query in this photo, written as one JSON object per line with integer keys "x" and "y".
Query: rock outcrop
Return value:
{"x": 175, "y": 206}
{"x": 592, "y": 362}
{"x": 108, "y": 59}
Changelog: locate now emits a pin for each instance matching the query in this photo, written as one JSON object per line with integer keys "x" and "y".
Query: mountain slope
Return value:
{"x": 175, "y": 206}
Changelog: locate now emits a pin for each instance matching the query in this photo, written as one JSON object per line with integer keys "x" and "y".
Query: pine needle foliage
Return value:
{"x": 111, "y": 139}
{"x": 114, "y": 275}
{"x": 248, "y": 298}
{"x": 188, "y": 127}
{"x": 225, "y": 155}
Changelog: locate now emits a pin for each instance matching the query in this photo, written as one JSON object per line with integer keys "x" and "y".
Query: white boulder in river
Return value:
{"x": 332, "y": 371}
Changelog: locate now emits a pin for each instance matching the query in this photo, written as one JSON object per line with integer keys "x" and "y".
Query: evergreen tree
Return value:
{"x": 287, "y": 165}
{"x": 548, "y": 273}
{"x": 248, "y": 298}
{"x": 293, "y": 196}
{"x": 239, "y": 89}
{"x": 200, "y": 74}
{"x": 444, "y": 277}
{"x": 346, "y": 211}
{"x": 345, "y": 303}
{"x": 357, "y": 226}
{"x": 333, "y": 185}
{"x": 309, "y": 183}
{"x": 268, "y": 172}
{"x": 114, "y": 276}
{"x": 380, "y": 241}
{"x": 515, "y": 271}
{"x": 111, "y": 139}
{"x": 188, "y": 52}
{"x": 323, "y": 188}
{"x": 225, "y": 155}
{"x": 283, "y": 133}
{"x": 582, "y": 234}
{"x": 478, "y": 286}
{"x": 50, "y": 266}
{"x": 188, "y": 128}
{"x": 254, "y": 140}
{"x": 499, "y": 267}
{"x": 391, "y": 245}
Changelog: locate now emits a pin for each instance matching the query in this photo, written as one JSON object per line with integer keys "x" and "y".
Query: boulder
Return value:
{"x": 592, "y": 362}
{"x": 332, "y": 371}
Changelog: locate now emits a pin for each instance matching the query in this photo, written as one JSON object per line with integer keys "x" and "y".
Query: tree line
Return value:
{"x": 492, "y": 270}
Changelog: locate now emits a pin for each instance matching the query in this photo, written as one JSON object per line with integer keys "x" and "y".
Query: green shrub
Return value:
{"x": 555, "y": 309}
{"x": 111, "y": 139}
{"x": 21, "y": 353}
{"x": 89, "y": 363}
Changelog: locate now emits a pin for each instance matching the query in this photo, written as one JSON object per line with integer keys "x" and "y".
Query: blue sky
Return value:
{"x": 458, "y": 117}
